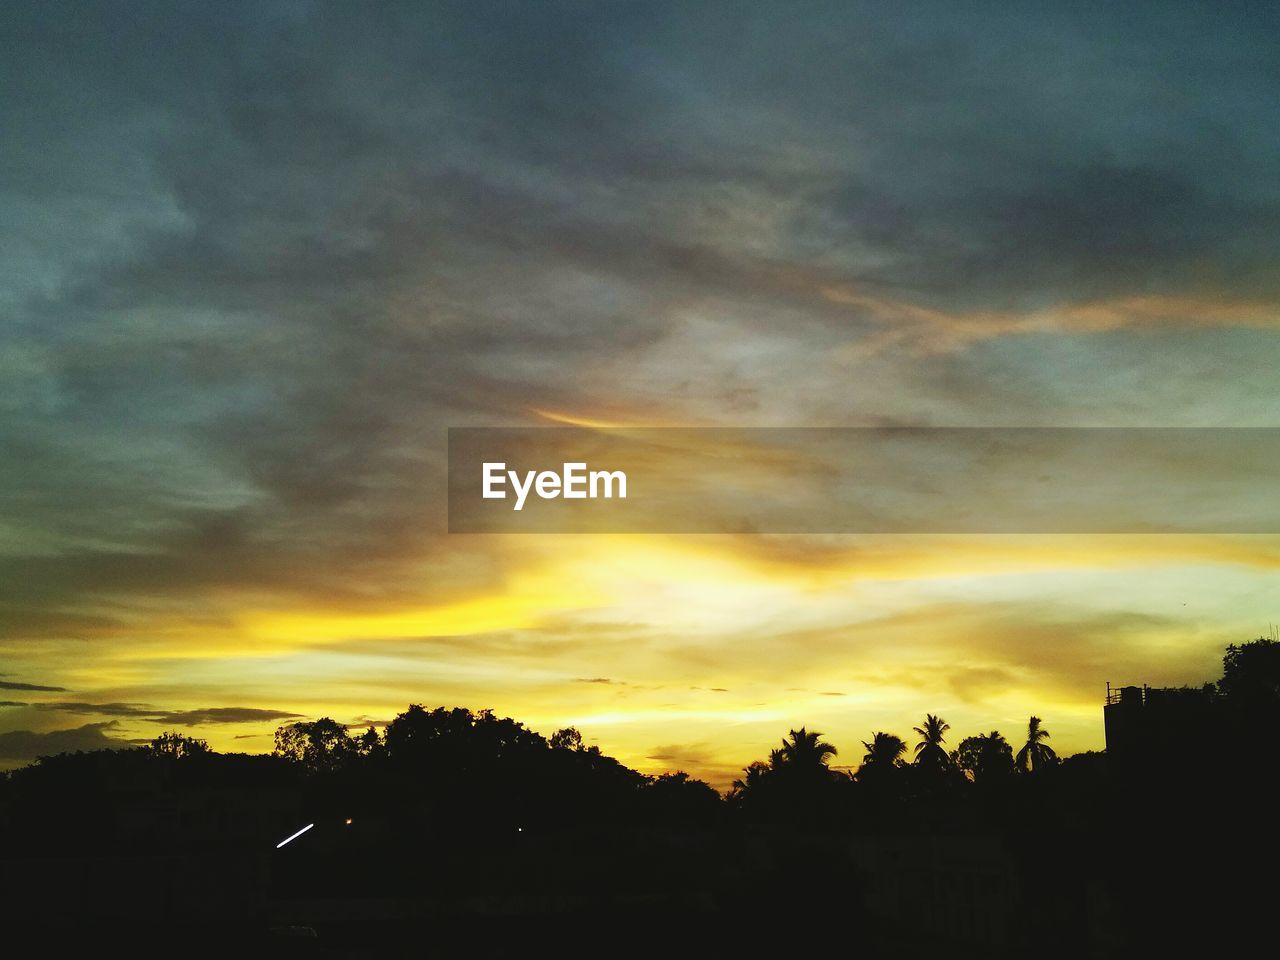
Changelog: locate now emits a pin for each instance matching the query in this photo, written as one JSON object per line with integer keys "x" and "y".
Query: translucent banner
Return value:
{"x": 864, "y": 480}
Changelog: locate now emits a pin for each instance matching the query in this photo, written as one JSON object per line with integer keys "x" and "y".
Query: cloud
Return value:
{"x": 14, "y": 685}
{"x": 448, "y": 250}
{"x": 192, "y": 718}
{"x": 703, "y": 759}
{"x": 187, "y": 718}
{"x": 907, "y": 326}
{"x": 27, "y": 745}
{"x": 366, "y": 722}
{"x": 257, "y": 268}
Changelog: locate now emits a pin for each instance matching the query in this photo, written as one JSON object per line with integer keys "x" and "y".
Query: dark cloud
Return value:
{"x": 26, "y": 745}
{"x": 366, "y": 722}
{"x": 14, "y": 685}
{"x": 192, "y": 718}
{"x": 700, "y": 757}
{"x": 326, "y": 236}
{"x": 185, "y": 718}
{"x": 101, "y": 709}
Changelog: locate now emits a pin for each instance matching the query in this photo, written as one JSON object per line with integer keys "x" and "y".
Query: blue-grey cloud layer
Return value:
{"x": 255, "y": 257}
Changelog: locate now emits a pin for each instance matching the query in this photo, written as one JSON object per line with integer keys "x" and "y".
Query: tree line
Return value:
{"x": 475, "y": 763}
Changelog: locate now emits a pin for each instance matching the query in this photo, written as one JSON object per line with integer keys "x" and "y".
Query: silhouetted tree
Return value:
{"x": 420, "y": 737}
{"x": 1251, "y": 671}
{"x": 884, "y": 751}
{"x": 930, "y": 751}
{"x": 985, "y": 757}
{"x": 677, "y": 797}
{"x": 882, "y": 774}
{"x": 492, "y": 807}
{"x": 320, "y": 745}
{"x": 369, "y": 744}
{"x": 754, "y": 775}
{"x": 804, "y": 751}
{"x": 567, "y": 738}
{"x": 1035, "y": 753}
{"x": 176, "y": 746}
{"x": 795, "y": 780}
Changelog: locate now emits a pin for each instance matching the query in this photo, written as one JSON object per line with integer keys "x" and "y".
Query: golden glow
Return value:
{"x": 520, "y": 605}
{"x": 600, "y": 423}
{"x": 699, "y": 652}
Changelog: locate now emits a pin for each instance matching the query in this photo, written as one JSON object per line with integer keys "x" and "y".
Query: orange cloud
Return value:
{"x": 928, "y": 330}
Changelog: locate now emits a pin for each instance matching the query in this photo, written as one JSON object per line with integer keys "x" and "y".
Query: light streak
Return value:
{"x": 295, "y": 836}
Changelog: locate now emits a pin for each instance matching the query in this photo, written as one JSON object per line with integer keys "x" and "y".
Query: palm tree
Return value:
{"x": 1035, "y": 755}
{"x": 803, "y": 751}
{"x": 752, "y": 777}
{"x": 929, "y": 751}
{"x": 884, "y": 751}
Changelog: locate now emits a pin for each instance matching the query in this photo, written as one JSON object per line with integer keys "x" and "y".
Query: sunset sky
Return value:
{"x": 257, "y": 258}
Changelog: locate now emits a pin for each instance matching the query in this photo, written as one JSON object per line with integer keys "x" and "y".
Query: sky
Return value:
{"x": 256, "y": 258}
